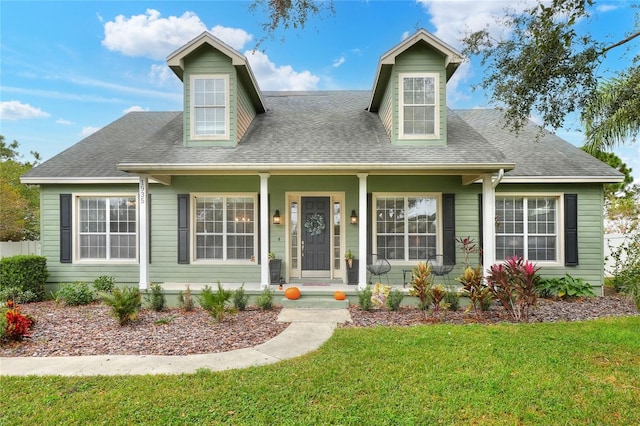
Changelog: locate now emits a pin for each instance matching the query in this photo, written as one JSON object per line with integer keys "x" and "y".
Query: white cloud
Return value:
{"x": 16, "y": 110}
{"x": 161, "y": 74}
{"x": 452, "y": 19}
{"x": 338, "y": 62}
{"x": 151, "y": 36}
{"x": 607, "y": 8}
{"x": 64, "y": 122}
{"x": 135, "y": 108}
{"x": 282, "y": 77}
{"x": 88, "y": 130}
{"x": 234, "y": 37}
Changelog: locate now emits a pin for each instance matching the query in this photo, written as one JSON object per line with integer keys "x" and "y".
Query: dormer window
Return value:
{"x": 418, "y": 109}
{"x": 209, "y": 107}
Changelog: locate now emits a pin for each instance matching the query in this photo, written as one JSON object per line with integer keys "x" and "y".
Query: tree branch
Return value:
{"x": 621, "y": 42}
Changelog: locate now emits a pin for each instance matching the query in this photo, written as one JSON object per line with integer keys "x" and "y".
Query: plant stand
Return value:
{"x": 352, "y": 271}
{"x": 274, "y": 270}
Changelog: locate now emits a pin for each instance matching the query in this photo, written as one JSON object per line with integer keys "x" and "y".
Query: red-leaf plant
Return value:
{"x": 18, "y": 325}
{"x": 513, "y": 283}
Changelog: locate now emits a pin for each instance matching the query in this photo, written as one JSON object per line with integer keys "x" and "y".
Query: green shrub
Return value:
{"x": 240, "y": 298}
{"x": 156, "y": 299}
{"x": 364, "y": 298}
{"x": 565, "y": 287}
{"x": 265, "y": 300}
{"x": 394, "y": 299}
{"x": 18, "y": 295}
{"x": 185, "y": 300}
{"x": 3, "y": 322}
{"x": 24, "y": 272}
{"x": 76, "y": 294}
{"x": 216, "y": 303}
{"x": 124, "y": 303}
{"x": 104, "y": 284}
{"x": 452, "y": 299}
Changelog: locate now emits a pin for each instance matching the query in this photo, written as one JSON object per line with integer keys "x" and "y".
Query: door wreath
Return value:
{"x": 314, "y": 224}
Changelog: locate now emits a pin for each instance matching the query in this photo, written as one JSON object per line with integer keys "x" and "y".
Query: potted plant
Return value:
{"x": 352, "y": 267}
{"x": 274, "y": 268}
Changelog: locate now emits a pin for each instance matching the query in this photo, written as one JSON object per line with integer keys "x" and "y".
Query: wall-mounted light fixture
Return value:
{"x": 354, "y": 217}
{"x": 276, "y": 217}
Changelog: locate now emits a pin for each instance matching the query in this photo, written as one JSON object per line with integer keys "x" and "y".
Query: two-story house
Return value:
{"x": 205, "y": 194}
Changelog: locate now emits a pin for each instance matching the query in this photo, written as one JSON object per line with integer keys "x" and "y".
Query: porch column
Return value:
{"x": 143, "y": 233}
{"x": 264, "y": 230}
{"x": 363, "y": 222}
{"x": 488, "y": 222}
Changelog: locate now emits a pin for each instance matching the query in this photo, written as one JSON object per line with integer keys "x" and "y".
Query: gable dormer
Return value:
{"x": 221, "y": 94}
{"x": 409, "y": 90}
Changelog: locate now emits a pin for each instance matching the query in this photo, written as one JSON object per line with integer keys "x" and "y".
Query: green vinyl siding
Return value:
{"x": 419, "y": 58}
{"x": 245, "y": 113}
{"x": 86, "y": 271}
{"x": 590, "y": 229}
{"x": 164, "y": 266}
{"x": 208, "y": 61}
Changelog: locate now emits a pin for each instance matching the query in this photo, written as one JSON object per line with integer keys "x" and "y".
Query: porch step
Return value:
{"x": 314, "y": 303}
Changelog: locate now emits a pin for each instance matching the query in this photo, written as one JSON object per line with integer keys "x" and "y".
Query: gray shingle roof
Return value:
{"x": 536, "y": 154}
{"x": 314, "y": 129}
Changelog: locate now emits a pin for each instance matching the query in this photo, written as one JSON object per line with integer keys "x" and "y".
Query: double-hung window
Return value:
{"x": 210, "y": 107}
{"x": 406, "y": 226}
{"x": 419, "y": 106}
{"x": 107, "y": 228}
{"x": 527, "y": 227}
{"x": 225, "y": 227}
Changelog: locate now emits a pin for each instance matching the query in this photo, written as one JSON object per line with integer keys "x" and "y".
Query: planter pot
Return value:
{"x": 352, "y": 271}
{"x": 274, "y": 270}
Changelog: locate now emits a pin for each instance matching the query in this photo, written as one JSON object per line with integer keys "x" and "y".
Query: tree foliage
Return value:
{"x": 19, "y": 204}
{"x": 612, "y": 117}
{"x": 545, "y": 66}
{"x": 287, "y": 14}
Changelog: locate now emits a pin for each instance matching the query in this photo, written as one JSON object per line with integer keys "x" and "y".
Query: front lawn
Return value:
{"x": 549, "y": 373}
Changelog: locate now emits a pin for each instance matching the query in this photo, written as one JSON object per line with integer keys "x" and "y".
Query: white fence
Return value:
{"x": 14, "y": 248}
{"x": 611, "y": 243}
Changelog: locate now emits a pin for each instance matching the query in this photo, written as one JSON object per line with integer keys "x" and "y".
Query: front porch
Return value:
{"x": 315, "y": 294}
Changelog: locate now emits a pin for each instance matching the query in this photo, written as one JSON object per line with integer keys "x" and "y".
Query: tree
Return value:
{"x": 624, "y": 189}
{"x": 286, "y": 14}
{"x": 612, "y": 117}
{"x": 546, "y": 67}
{"x": 19, "y": 204}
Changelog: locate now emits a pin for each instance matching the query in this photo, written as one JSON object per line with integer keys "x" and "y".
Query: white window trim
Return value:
{"x": 75, "y": 226}
{"x": 374, "y": 227}
{"x": 436, "y": 128}
{"x": 559, "y": 196}
{"x": 192, "y": 108}
{"x": 192, "y": 227}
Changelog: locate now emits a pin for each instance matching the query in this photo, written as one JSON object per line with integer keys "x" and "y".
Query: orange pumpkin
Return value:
{"x": 292, "y": 293}
{"x": 339, "y": 295}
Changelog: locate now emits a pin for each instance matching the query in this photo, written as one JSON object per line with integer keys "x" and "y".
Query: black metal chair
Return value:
{"x": 441, "y": 265}
{"x": 380, "y": 266}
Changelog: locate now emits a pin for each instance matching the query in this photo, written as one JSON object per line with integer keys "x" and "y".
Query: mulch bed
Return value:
{"x": 90, "y": 330}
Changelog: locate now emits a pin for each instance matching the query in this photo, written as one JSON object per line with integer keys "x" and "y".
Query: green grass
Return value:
{"x": 547, "y": 374}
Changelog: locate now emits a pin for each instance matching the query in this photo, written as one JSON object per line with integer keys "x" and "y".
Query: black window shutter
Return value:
{"x": 183, "y": 228}
{"x": 370, "y": 216}
{"x": 480, "y": 226}
{"x": 571, "y": 229}
{"x": 449, "y": 226}
{"x": 66, "y": 238}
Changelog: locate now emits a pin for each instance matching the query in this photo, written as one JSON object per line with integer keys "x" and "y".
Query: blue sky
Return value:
{"x": 68, "y": 68}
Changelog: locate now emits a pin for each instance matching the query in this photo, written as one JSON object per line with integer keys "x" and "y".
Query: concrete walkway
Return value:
{"x": 309, "y": 329}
